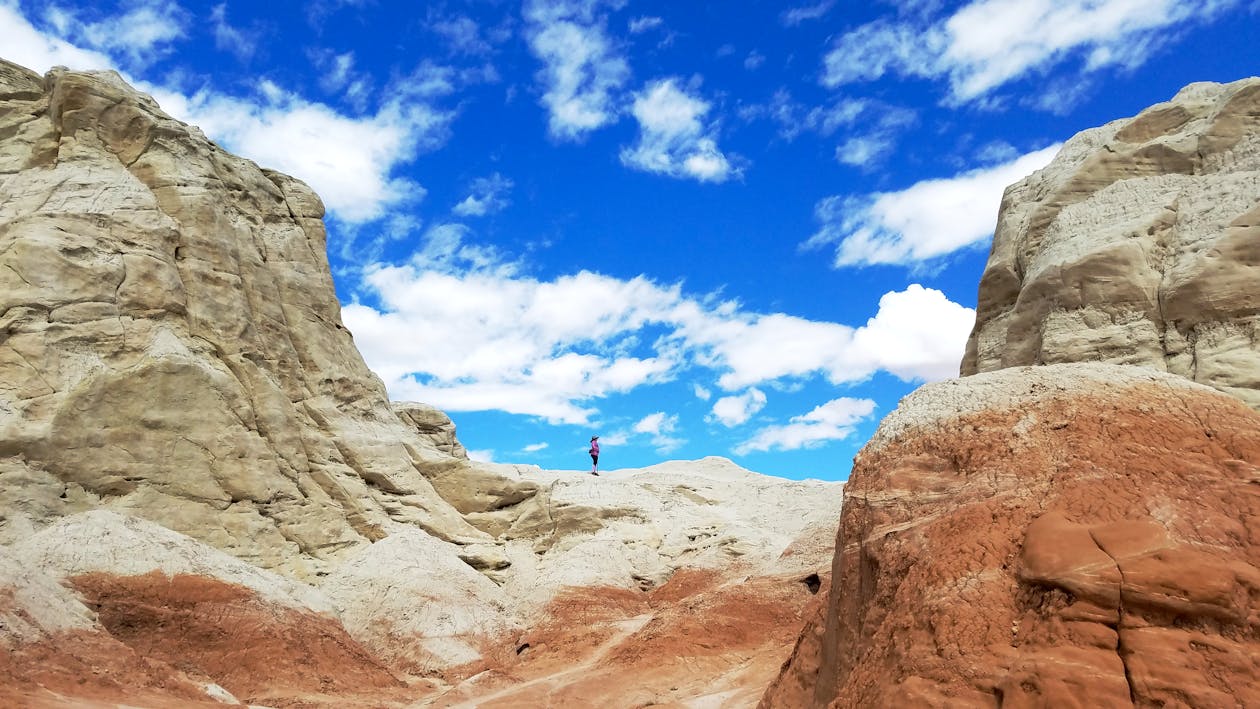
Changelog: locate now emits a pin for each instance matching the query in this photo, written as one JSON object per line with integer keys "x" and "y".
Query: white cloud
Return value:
{"x": 349, "y": 161}
{"x": 656, "y": 423}
{"x": 862, "y": 151}
{"x": 510, "y": 343}
{"x": 29, "y": 47}
{"x": 137, "y": 37}
{"x": 754, "y": 60}
{"x": 673, "y": 139}
{"x": 988, "y": 43}
{"x": 535, "y": 447}
{"x": 796, "y": 15}
{"x": 239, "y": 42}
{"x": 881, "y": 124}
{"x": 640, "y": 25}
{"x": 481, "y": 456}
{"x": 463, "y": 35}
{"x": 917, "y": 334}
{"x": 831, "y": 421}
{"x": 734, "y": 410}
{"x": 553, "y": 349}
{"x": 872, "y": 50}
{"x": 486, "y": 195}
{"x": 582, "y": 69}
{"x": 701, "y": 393}
{"x": 659, "y": 426}
{"x": 927, "y": 220}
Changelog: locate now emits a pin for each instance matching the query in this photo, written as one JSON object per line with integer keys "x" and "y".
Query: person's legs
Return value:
{"x": 594, "y": 463}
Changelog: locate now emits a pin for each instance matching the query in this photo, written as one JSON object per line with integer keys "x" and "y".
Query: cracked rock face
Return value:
{"x": 171, "y": 345}
{"x": 1138, "y": 244}
{"x": 1043, "y": 536}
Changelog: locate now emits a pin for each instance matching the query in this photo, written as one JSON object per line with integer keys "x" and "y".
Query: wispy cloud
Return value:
{"x": 864, "y": 151}
{"x": 927, "y": 220}
{"x": 462, "y": 35}
{"x": 987, "y": 43}
{"x": 673, "y": 137}
{"x": 873, "y": 127}
{"x": 832, "y": 421}
{"x": 486, "y": 195}
{"x": 583, "y": 70}
{"x": 660, "y": 427}
{"x": 239, "y": 42}
{"x": 135, "y": 38}
{"x": 640, "y": 25}
{"x": 339, "y": 76}
{"x": 804, "y": 13}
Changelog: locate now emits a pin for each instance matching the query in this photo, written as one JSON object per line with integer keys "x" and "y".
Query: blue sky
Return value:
{"x": 743, "y": 229}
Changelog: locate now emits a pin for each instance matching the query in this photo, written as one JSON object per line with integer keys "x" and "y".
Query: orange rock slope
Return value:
{"x": 705, "y": 638}
{"x": 1073, "y": 535}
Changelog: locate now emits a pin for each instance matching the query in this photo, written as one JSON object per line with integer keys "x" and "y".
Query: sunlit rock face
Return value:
{"x": 1138, "y": 244}
{"x": 1073, "y": 521}
{"x": 172, "y": 345}
{"x": 206, "y": 496}
{"x": 1045, "y": 536}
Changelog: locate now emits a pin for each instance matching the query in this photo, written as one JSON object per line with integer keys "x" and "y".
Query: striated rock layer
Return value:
{"x": 171, "y": 345}
{"x": 1139, "y": 244}
{"x": 1053, "y": 536}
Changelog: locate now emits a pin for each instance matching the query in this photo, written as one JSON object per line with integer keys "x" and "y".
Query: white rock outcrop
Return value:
{"x": 1139, "y": 244}
{"x": 171, "y": 344}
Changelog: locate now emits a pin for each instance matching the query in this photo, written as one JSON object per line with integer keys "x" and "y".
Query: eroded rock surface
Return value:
{"x": 1139, "y": 244}
{"x": 171, "y": 345}
{"x": 220, "y": 504}
{"x": 1045, "y": 536}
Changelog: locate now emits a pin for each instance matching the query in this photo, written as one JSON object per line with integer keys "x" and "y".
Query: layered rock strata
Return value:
{"x": 171, "y": 345}
{"x": 1139, "y": 244}
{"x": 1045, "y": 537}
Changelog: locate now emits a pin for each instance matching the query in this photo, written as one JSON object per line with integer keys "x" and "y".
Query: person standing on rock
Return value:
{"x": 594, "y": 451}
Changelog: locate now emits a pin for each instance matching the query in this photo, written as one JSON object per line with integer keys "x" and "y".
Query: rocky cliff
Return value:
{"x": 206, "y": 497}
{"x": 1082, "y": 532}
{"x": 1068, "y": 535}
{"x": 171, "y": 345}
{"x": 1138, "y": 244}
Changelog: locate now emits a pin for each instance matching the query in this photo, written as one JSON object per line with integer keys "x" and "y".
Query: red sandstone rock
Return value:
{"x": 1033, "y": 537}
{"x": 702, "y": 639}
{"x": 163, "y": 641}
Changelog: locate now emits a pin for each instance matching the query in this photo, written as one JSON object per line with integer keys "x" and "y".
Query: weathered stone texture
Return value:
{"x": 171, "y": 344}
{"x": 1067, "y": 535}
{"x": 1138, "y": 244}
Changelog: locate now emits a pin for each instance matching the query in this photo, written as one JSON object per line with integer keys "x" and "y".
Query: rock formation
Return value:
{"x": 1138, "y": 244}
{"x": 1083, "y": 532}
{"x": 171, "y": 345}
{"x": 206, "y": 497}
{"x": 1052, "y": 536}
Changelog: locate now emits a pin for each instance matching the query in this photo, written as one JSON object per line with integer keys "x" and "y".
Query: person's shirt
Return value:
{"x": 594, "y": 447}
